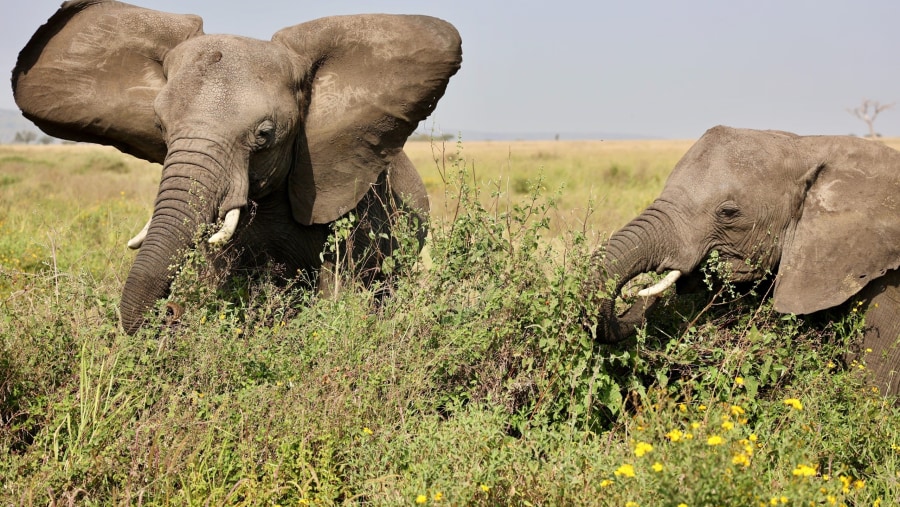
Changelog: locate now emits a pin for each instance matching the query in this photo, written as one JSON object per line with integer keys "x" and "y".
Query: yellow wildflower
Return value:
{"x": 674, "y": 435}
{"x": 642, "y": 448}
{"x": 485, "y": 488}
{"x": 631, "y": 504}
{"x": 438, "y": 496}
{"x": 701, "y": 408}
{"x": 859, "y": 484}
{"x": 682, "y": 505}
{"x": 737, "y": 410}
{"x": 804, "y": 471}
{"x": 739, "y": 381}
{"x": 715, "y": 440}
{"x": 846, "y": 483}
{"x": 794, "y": 403}
{"x": 682, "y": 407}
{"x": 695, "y": 425}
{"x": 752, "y": 437}
{"x": 605, "y": 483}
{"x": 421, "y": 499}
{"x": 367, "y": 430}
{"x": 657, "y": 467}
{"x": 727, "y": 425}
{"x": 741, "y": 459}
{"x": 625, "y": 470}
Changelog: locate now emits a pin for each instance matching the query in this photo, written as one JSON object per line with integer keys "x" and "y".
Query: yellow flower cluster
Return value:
{"x": 642, "y": 448}
{"x": 626, "y": 470}
{"x": 794, "y": 403}
{"x": 847, "y": 482}
{"x": 804, "y": 471}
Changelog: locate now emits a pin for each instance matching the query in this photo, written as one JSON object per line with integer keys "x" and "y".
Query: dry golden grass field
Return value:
{"x": 597, "y": 184}
{"x": 616, "y": 178}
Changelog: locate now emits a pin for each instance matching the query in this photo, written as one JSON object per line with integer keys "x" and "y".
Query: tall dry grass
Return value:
{"x": 601, "y": 184}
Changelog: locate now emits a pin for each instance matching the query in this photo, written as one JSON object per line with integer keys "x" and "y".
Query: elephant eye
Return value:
{"x": 728, "y": 211}
{"x": 264, "y": 134}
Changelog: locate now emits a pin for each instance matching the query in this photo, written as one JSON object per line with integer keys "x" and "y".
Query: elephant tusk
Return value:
{"x": 227, "y": 230}
{"x": 661, "y": 285}
{"x": 136, "y": 242}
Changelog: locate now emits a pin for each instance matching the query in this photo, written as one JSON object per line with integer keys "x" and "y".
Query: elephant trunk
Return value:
{"x": 191, "y": 193}
{"x": 637, "y": 248}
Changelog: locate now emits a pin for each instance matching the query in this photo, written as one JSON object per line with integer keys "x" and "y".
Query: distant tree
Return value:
{"x": 25, "y": 137}
{"x": 867, "y": 112}
{"x": 429, "y": 137}
{"x": 46, "y": 140}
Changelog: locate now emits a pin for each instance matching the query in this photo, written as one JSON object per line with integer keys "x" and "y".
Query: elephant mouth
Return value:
{"x": 220, "y": 237}
{"x": 733, "y": 269}
{"x": 660, "y": 286}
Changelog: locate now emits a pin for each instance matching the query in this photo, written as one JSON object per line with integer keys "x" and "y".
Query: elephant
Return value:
{"x": 276, "y": 140}
{"x": 818, "y": 212}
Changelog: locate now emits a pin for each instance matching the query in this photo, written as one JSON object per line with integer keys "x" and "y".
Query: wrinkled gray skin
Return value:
{"x": 294, "y": 132}
{"x": 819, "y": 211}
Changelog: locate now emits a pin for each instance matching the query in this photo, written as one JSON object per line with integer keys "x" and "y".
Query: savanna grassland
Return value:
{"x": 474, "y": 384}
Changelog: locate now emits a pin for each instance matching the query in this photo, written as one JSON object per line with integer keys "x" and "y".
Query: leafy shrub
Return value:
{"x": 473, "y": 384}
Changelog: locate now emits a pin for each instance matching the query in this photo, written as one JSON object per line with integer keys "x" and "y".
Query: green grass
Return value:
{"x": 473, "y": 385}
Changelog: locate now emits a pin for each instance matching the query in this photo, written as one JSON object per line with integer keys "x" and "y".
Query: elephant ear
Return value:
{"x": 370, "y": 80}
{"x": 92, "y": 72}
{"x": 848, "y": 233}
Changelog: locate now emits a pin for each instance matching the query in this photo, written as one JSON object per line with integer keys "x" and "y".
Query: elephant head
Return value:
{"x": 819, "y": 211}
{"x": 319, "y": 113}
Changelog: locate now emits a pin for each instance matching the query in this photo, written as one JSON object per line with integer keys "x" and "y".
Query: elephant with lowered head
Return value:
{"x": 277, "y": 139}
{"x": 821, "y": 212}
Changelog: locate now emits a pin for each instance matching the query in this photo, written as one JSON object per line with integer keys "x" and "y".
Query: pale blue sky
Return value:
{"x": 652, "y": 68}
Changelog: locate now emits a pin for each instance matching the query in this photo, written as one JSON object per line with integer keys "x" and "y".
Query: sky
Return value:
{"x": 598, "y": 69}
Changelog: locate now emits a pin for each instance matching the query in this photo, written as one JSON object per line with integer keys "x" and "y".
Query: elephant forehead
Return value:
{"x": 225, "y": 73}
{"x": 229, "y": 61}
{"x": 228, "y": 51}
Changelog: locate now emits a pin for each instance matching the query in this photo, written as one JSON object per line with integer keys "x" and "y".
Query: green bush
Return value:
{"x": 473, "y": 384}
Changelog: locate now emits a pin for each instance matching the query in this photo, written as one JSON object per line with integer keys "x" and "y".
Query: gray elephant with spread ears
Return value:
{"x": 277, "y": 139}
{"x": 821, "y": 212}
